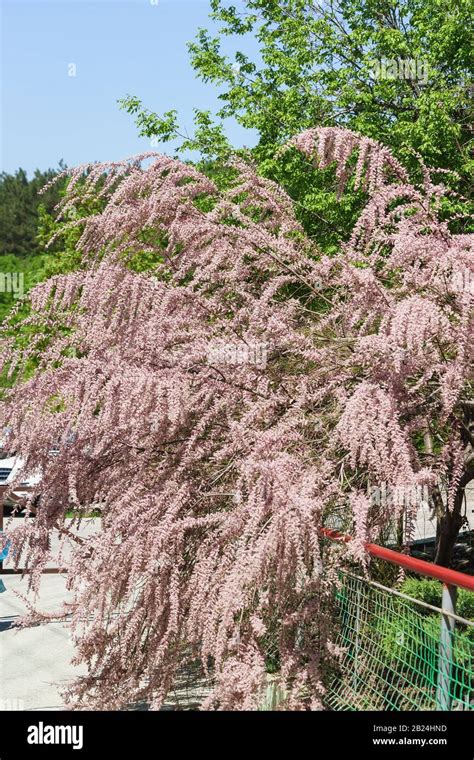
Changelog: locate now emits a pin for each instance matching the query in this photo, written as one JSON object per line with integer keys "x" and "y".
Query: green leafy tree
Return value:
{"x": 19, "y": 209}
{"x": 399, "y": 71}
{"x": 26, "y": 221}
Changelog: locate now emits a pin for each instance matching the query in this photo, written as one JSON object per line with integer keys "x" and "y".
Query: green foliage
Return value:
{"x": 46, "y": 261}
{"x": 430, "y": 591}
{"x": 208, "y": 138}
{"x": 26, "y": 224}
{"x": 62, "y": 257}
{"x": 320, "y": 64}
{"x": 20, "y": 209}
{"x": 31, "y": 269}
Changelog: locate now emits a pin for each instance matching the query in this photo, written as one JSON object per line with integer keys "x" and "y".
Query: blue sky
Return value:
{"x": 118, "y": 47}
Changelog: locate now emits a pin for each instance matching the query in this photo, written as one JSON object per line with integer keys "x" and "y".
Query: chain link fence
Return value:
{"x": 400, "y": 653}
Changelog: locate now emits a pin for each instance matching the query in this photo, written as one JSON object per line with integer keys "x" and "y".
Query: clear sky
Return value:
{"x": 118, "y": 47}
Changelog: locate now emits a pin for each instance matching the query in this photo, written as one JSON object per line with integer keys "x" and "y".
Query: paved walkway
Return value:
{"x": 35, "y": 663}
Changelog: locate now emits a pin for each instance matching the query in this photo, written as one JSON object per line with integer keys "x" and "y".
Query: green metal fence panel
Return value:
{"x": 399, "y": 654}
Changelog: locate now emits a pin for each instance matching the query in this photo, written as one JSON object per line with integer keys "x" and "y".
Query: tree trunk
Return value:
{"x": 448, "y": 528}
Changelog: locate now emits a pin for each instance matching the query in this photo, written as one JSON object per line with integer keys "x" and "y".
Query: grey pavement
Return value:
{"x": 35, "y": 663}
{"x": 87, "y": 528}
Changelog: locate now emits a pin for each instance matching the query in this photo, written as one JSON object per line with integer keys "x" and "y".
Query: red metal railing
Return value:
{"x": 443, "y": 574}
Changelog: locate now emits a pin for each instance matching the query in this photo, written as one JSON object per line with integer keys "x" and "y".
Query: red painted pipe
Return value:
{"x": 444, "y": 574}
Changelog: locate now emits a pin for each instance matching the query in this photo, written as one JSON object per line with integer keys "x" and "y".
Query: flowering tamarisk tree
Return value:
{"x": 404, "y": 288}
{"x": 215, "y": 463}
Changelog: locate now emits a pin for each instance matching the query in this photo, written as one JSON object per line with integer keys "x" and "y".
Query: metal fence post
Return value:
{"x": 446, "y": 647}
{"x": 355, "y": 679}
